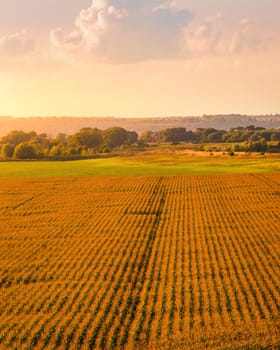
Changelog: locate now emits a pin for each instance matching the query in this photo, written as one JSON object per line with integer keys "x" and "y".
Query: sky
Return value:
{"x": 139, "y": 58}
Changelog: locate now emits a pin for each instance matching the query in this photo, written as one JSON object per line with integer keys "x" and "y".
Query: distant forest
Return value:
{"x": 91, "y": 142}
{"x": 70, "y": 125}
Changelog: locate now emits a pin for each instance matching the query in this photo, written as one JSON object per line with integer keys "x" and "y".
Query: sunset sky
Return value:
{"x": 139, "y": 58}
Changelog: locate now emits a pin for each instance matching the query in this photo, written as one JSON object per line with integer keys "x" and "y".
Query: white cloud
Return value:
{"x": 110, "y": 32}
{"x": 91, "y": 25}
{"x": 211, "y": 36}
{"x": 244, "y": 38}
{"x": 121, "y": 31}
{"x": 97, "y": 20}
{"x": 59, "y": 39}
{"x": 204, "y": 37}
{"x": 18, "y": 43}
{"x": 169, "y": 4}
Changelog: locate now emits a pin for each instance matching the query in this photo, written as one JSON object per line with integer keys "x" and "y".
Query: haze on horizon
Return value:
{"x": 143, "y": 58}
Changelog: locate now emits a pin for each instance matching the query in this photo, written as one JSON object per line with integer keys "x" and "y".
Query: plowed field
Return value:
{"x": 164, "y": 262}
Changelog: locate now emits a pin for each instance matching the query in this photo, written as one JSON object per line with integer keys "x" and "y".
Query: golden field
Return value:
{"x": 140, "y": 262}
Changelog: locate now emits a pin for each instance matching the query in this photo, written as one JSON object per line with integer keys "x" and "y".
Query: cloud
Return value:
{"x": 137, "y": 32}
{"x": 99, "y": 19}
{"x": 19, "y": 43}
{"x": 170, "y": 4}
{"x": 123, "y": 31}
{"x": 204, "y": 37}
{"x": 244, "y": 38}
{"x": 69, "y": 41}
{"x": 91, "y": 26}
{"x": 211, "y": 36}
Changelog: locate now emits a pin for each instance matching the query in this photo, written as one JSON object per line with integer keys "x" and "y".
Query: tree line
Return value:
{"x": 86, "y": 142}
{"x": 247, "y": 139}
{"x": 211, "y": 135}
{"x": 90, "y": 141}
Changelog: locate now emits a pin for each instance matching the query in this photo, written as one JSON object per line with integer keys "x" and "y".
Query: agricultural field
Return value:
{"x": 140, "y": 262}
{"x": 153, "y": 162}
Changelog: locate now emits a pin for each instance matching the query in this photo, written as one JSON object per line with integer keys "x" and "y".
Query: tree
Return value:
{"x": 147, "y": 136}
{"x": 40, "y": 143}
{"x": 216, "y": 136}
{"x": 60, "y": 138}
{"x": 173, "y": 135}
{"x": 275, "y": 136}
{"x": 56, "y": 150}
{"x": 88, "y": 138}
{"x": 16, "y": 137}
{"x": 260, "y": 146}
{"x": 114, "y": 137}
{"x": 7, "y": 151}
{"x": 24, "y": 151}
{"x": 190, "y": 136}
{"x": 70, "y": 150}
{"x": 132, "y": 137}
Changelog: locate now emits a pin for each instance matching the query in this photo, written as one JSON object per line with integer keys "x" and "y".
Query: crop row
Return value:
{"x": 131, "y": 262}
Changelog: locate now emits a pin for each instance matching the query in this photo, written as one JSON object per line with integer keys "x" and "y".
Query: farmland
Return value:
{"x": 140, "y": 262}
{"x": 156, "y": 162}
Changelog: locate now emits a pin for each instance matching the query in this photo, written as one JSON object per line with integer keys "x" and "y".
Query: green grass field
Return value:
{"x": 141, "y": 164}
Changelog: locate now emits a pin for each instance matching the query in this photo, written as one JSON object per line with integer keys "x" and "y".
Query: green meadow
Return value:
{"x": 143, "y": 164}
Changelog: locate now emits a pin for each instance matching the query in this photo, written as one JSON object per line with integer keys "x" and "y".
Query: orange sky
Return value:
{"x": 161, "y": 58}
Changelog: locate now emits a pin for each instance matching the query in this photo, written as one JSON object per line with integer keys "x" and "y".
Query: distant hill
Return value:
{"x": 69, "y": 125}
